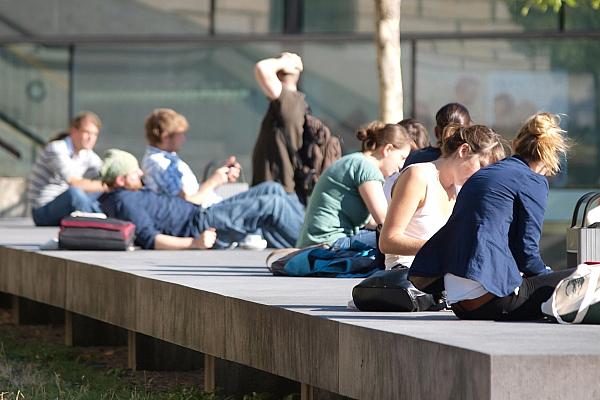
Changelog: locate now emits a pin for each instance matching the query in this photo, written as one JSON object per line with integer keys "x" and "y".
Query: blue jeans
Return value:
{"x": 364, "y": 237}
{"x": 265, "y": 209}
{"x": 73, "y": 199}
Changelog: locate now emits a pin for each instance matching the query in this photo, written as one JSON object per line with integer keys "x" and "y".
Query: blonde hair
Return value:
{"x": 541, "y": 139}
{"x": 163, "y": 122}
{"x": 481, "y": 140}
{"x": 376, "y": 134}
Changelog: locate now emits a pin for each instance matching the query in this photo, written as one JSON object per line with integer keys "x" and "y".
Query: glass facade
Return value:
{"x": 214, "y": 87}
{"x": 502, "y": 80}
{"x": 34, "y": 87}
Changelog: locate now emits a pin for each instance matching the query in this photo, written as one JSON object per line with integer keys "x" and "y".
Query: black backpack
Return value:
{"x": 319, "y": 150}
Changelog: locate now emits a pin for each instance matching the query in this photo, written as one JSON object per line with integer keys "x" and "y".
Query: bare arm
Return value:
{"x": 88, "y": 185}
{"x": 230, "y": 172}
{"x": 206, "y": 240}
{"x": 265, "y": 72}
{"x": 408, "y": 196}
{"x": 372, "y": 194}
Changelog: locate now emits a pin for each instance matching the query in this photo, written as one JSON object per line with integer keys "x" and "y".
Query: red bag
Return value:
{"x": 90, "y": 233}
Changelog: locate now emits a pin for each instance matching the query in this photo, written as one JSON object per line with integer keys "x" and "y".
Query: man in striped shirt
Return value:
{"x": 65, "y": 175}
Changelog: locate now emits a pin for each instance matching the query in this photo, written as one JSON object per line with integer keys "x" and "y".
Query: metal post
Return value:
{"x": 71, "y": 71}
{"x": 293, "y": 11}
{"x": 212, "y": 17}
{"x": 413, "y": 78}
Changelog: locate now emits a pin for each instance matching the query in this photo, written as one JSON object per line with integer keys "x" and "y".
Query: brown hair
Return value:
{"x": 86, "y": 116}
{"x": 376, "y": 134}
{"x": 76, "y": 123}
{"x": 163, "y": 122}
{"x": 416, "y": 131}
{"x": 481, "y": 140}
{"x": 541, "y": 139}
{"x": 452, "y": 113}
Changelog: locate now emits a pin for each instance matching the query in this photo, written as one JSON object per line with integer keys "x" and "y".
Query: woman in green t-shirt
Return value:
{"x": 348, "y": 199}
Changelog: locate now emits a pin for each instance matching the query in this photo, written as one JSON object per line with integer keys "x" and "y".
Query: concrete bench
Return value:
{"x": 226, "y": 305}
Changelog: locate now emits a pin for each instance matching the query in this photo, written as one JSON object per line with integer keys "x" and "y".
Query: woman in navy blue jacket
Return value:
{"x": 488, "y": 252}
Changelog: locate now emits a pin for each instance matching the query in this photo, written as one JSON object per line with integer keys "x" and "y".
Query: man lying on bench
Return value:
{"x": 169, "y": 222}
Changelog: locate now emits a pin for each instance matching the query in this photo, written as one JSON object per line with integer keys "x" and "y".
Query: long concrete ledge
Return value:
{"x": 226, "y": 304}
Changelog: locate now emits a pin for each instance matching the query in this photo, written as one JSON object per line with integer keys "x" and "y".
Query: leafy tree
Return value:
{"x": 556, "y": 5}
{"x": 575, "y": 56}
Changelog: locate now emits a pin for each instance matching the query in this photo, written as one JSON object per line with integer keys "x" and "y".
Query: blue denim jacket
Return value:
{"x": 494, "y": 231}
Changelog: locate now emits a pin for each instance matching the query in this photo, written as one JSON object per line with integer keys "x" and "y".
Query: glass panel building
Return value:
{"x": 123, "y": 58}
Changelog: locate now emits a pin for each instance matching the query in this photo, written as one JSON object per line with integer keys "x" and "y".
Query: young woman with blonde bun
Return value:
{"x": 425, "y": 193}
{"x": 493, "y": 234}
{"x": 349, "y": 195}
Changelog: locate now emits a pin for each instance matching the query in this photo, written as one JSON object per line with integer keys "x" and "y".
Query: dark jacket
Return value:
{"x": 280, "y": 133}
{"x": 494, "y": 230}
{"x": 426, "y": 154}
{"x": 152, "y": 214}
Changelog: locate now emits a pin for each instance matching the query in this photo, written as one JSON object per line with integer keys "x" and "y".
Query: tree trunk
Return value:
{"x": 387, "y": 37}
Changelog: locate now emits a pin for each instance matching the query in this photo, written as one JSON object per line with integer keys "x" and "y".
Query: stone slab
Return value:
{"x": 301, "y": 329}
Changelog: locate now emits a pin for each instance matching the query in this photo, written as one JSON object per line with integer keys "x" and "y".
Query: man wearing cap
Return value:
{"x": 170, "y": 222}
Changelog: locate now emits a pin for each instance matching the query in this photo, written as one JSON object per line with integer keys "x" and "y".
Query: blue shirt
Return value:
{"x": 494, "y": 230}
{"x": 426, "y": 154}
{"x": 153, "y": 214}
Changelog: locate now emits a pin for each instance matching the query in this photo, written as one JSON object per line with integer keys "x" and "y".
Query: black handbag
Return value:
{"x": 390, "y": 290}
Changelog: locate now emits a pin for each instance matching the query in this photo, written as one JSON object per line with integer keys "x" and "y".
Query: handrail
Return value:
{"x": 66, "y": 40}
{"x": 10, "y": 149}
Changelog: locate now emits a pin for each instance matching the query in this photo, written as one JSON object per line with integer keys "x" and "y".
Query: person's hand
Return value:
{"x": 234, "y": 169}
{"x": 206, "y": 240}
{"x": 291, "y": 63}
{"x": 220, "y": 176}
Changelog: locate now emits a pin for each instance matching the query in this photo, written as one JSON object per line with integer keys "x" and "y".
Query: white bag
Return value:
{"x": 576, "y": 298}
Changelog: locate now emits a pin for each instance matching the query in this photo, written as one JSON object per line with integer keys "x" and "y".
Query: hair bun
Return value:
{"x": 449, "y": 131}
{"x": 369, "y": 131}
{"x": 363, "y": 134}
{"x": 544, "y": 125}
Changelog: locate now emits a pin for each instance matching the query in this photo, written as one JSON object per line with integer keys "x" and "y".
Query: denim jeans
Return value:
{"x": 364, "y": 237}
{"x": 73, "y": 199}
{"x": 264, "y": 209}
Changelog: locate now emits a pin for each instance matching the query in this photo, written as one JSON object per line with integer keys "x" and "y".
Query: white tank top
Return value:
{"x": 426, "y": 221}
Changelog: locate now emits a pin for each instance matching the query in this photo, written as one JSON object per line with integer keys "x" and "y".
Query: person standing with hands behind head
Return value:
{"x": 281, "y": 130}
{"x": 493, "y": 234}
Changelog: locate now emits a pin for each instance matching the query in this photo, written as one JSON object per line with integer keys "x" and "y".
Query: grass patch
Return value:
{"x": 34, "y": 370}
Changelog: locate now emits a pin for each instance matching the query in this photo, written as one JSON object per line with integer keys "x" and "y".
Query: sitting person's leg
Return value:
{"x": 265, "y": 188}
{"x": 279, "y": 221}
{"x": 73, "y": 199}
{"x": 364, "y": 237}
{"x": 522, "y": 306}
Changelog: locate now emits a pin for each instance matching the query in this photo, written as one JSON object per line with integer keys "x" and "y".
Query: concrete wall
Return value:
{"x": 13, "y": 197}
